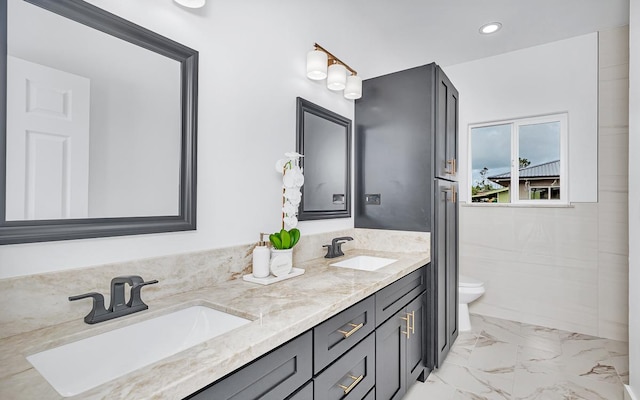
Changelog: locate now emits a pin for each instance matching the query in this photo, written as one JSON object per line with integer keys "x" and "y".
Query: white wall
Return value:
{"x": 634, "y": 197}
{"x": 252, "y": 67}
{"x": 560, "y": 267}
{"x": 552, "y": 78}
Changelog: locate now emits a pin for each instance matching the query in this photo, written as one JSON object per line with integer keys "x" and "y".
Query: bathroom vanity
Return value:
{"x": 300, "y": 318}
{"x": 374, "y": 346}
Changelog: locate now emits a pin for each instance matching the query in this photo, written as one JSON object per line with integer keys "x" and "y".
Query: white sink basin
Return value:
{"x": 364, "y": 263}
{"x": 79, "y": 366}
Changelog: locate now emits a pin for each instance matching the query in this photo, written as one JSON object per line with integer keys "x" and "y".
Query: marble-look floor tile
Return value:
{"x": 553, "y": 385}
{"x": 462, "y": 348}
{"x": 502, "y": 359}
{"x": 617, "y": 348}
{"x": 433, "y": 388}
{"x": 493, "y": 357}
{"x": 462, "y": 395}
{"x": 602, "y": 371}
{"x": 540, "y": 337}
{"x": 583, "y": 346}
{"x": 496, "y": 329}
{"x": 481, "y": 383}
{"x": 621, "y": 364}
{"x": 534, "y": 360}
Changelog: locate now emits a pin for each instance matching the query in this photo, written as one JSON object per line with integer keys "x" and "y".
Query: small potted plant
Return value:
{"x": 283, "y": 241}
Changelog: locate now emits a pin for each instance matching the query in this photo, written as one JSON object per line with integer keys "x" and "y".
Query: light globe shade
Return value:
{"x": 191, "y": 3}
{"x": 316, "y": 65}
{"x": 353, "y": 90}
{"x": 337, "y": 77}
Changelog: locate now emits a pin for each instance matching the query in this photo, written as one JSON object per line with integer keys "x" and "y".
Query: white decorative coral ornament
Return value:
{"x": 292, "y": 181}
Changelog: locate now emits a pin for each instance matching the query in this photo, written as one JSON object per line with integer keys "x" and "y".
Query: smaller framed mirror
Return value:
{"x": 324, "y": 138}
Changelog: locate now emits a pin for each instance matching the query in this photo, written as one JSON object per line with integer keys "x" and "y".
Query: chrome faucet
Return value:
{"x": 335, "y": 248}
{"x": 118, "y": 307}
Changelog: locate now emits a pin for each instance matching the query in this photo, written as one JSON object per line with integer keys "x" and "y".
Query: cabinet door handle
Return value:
{"x": 408, "y": 319}
{"x": 352, "y": 331}
{"x": 356, "y": 380}
{"x": 454, "y": 194}
{"x": 451, "y": 171}
{"x": 413, "y": 321}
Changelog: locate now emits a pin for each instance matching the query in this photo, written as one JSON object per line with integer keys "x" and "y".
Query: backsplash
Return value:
{"x": 41, "y": 300}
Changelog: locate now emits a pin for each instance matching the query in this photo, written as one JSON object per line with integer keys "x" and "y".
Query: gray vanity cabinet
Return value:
{"x": 350, "y": 377}
{"x": 416, "y": 340}
{"x": 399, "y": 350}
{"x": 406, "y": 143}
{"x": 306, "y": 393}
{"x": 354, "y": 355}
{"x": 393, "y": 298}
{"x": 445, "y": 144}
{"x": 272, "y": 377}
{"x": 445, "y": 262}
{"x": 333, "y": 337}
{"x": 444, "y": 231}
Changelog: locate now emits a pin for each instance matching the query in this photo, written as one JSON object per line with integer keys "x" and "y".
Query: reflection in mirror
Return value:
{"x": 95, "y": 105}
{"x": 100, "y": 125}
{"x": 324, "y": 138}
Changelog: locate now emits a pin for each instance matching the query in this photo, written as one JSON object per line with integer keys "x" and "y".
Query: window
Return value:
{"x": 520, "y": 161}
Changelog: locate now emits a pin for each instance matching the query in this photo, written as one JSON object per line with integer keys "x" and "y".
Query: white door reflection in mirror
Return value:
{"x": 48, "y": 142}
{"x": 134, "y": 116}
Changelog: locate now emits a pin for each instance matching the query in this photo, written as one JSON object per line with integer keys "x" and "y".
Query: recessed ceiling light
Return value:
{"x": 491, "y": 27}
{"x": 191, "y": 3}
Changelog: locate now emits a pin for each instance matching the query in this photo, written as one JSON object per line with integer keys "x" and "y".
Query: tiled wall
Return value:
{"x": 613, "y": 184}
{"x": 564, "y": 267}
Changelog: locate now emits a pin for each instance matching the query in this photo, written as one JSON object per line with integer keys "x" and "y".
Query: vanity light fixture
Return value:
{"x": 322, "y": 64}
{"x": 491, "y": 27}
{"x": 191, "y": 3}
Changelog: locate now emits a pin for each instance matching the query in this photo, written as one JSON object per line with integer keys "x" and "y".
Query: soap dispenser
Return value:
{"x": 261, "y": 257}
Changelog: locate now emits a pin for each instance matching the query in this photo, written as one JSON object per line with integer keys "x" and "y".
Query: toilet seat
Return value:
{"x": 469, "y": 282}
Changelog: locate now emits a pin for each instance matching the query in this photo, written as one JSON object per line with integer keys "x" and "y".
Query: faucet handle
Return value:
{"x": 329, "y": 251}
{"x": 97, "y": 309}
{"x": 136, "y": 298}
{"x": 117, "y": 290}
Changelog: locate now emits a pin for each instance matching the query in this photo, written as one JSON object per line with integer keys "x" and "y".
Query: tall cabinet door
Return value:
{"x": 391, "y": 364}
{"x": 452, "y": 262}
{"x": 417, "y": 339}
{"x": 446, "y": 135}
{"x": 445, "y": 260}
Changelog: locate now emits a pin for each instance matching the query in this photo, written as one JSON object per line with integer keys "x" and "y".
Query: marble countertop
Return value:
{"x": 279, "y": 312}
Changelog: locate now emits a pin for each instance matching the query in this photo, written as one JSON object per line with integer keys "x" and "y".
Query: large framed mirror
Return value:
{"x": 98, "y": 121}
{"x": 324, "y": 138}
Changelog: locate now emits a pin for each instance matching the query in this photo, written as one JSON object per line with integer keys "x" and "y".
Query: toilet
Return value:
{"x": 469, "y": 290}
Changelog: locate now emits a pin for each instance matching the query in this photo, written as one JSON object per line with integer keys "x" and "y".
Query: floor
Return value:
{"x": 502, "y": 359}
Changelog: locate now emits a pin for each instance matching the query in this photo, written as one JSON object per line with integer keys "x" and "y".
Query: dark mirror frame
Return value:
{"x": 304, "y": 106}
{"x": 12, "y": 232}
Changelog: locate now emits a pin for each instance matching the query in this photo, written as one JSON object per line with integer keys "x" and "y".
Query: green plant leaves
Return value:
{"x": 274, "y": 238}
{"x": 295, "y": 236}
{"x": 285, "y": 239}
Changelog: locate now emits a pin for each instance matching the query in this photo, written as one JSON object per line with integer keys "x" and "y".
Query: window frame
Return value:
{"x": 515, "y": 124}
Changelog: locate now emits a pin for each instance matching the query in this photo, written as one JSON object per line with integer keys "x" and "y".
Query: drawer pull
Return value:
{"x": 356, "y": 380}
{"x": 352, "y": 331}
{"x": 451, "y": 171}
